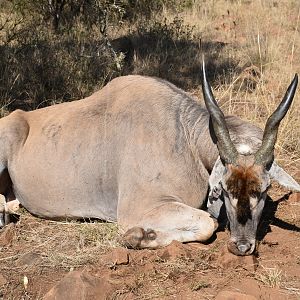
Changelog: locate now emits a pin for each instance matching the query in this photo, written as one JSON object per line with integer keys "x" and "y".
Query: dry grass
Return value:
{"x": 271, "y": 277}
{"x": 66, "y": 245}
{"x": 275, "y": 278}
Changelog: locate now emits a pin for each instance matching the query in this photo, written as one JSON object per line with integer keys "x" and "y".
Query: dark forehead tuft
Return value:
{"x": 243, "y": 183}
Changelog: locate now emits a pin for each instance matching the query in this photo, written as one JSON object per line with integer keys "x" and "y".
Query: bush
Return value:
{"x": 46, "y": 60}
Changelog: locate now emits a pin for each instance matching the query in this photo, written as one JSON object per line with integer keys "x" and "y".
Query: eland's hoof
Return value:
{"x": 134, "y": 237}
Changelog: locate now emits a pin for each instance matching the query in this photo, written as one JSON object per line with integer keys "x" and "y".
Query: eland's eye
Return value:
{"x": 224, "y": 191}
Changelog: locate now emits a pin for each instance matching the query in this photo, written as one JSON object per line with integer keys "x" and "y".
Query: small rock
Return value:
{"x": 7, "y": 235}
{"x": 120, "y": 256}
{"x": 28, "y": 259}
{"x": 229, "y": 260}
{"x": 3, "y": 280}
{"x": 226, "y": 295}
{"x": 294, "y": 197}
{"x": 82, "y": 286}
{"x": 175, "y": 250}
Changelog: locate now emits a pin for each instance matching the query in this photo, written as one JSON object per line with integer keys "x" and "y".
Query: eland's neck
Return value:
{"x": 195, "y": 120}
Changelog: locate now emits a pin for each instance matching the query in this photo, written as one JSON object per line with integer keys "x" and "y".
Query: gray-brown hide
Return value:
{"x": 138, "y": 152}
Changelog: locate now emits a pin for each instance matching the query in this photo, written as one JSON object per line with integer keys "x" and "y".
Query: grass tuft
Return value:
{"x": 271, "y": 277}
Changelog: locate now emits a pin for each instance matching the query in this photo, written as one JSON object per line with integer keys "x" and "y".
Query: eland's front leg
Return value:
{"x": 168, "y": 222}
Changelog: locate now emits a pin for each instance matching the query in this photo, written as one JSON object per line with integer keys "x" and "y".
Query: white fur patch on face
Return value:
{"x": 244, "y": 149}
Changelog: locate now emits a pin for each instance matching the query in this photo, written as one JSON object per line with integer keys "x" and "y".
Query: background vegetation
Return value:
{"x": 60, "y": 50}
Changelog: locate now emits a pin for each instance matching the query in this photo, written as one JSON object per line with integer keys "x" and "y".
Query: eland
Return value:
{"x": 143, "y": 153}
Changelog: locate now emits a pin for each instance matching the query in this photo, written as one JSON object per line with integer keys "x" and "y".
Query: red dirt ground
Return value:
{"x": 181, "y": 271}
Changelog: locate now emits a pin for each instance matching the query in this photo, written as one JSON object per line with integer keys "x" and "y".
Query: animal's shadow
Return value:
{"x": 269, "y": 218}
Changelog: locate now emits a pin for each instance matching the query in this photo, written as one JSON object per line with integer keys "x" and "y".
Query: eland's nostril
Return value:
{"x": 243, "y": 247}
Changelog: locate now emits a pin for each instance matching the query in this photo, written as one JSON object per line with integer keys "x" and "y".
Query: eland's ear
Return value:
{"x": 216, "y": 174}
{"x": 283, "y": 178}
{"x": 215, "y": 200}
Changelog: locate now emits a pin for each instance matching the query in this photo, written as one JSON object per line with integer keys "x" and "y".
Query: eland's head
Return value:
{"x": 243, "y": 179}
